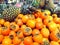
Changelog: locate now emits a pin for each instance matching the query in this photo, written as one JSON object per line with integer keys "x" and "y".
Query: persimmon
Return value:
{"x": 38, "y": 19}
{"x": 55, "y": 35}
{"x": 27, "y": 31}
{"x": 58, "y": 21}
{"x": 58, "y": 26}
{"x": 45, "y": 41}
{"x": 39, "y": 25}
{"x": 35, "y": 32}
{"x": 54, "y": 17}
{"x": 47, "y": 12}
{"x": 2, "y": 21}
{"x": 0, "y": 44}
{"x": 14, "y": 27}
{"x": 43, "y": 15}
{"x": 6, "y": 41}
{"x": 5, "y": 30}
{"x": 54, "y": 43}
{"x": 16, "y": 40}
{"x": 36, "y": 14}
{"x": 48, "y": 20}
{"x": 28, "y": 41}
{"x": 21, "y": 43}
{"x": 12, "y": 34}
{"x": 20, "y": 34}
{"x": 1, "y": 38}
{"x": 20, "y": 16}
{"x": 35, "y": 43}
{"x": 30, "y": 16}
{"x": 58, "y": 41}
{"x": 25, "y": 18}
{"x": 19, "y": 22}
{"x": 0, "y": 31}
{"x": 38, "y": 38}
{"x": 52, "y": 26}
{"x": 7, "y": 24}
{"x": 23, "y": 27}
{"x": 11, "y": 44}
{"x": 50, "y": 17}
{"x": 31, "y": 23}
{"x": 45, "y": 32}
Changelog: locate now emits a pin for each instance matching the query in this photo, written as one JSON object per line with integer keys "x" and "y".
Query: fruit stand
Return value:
{"x": 29, "y": 22}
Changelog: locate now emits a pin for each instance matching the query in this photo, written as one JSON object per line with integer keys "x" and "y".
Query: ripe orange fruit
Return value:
{"x": 25, "y": 18}
{"x": 35, "y": 43}
{"x": 12, "y": 34}
{"x": 5, "y": 30}
{"x": 2, "y": 21}
{"x": 45, "y": 41}
{"x": 6, "y": 41}
{"x": 7, "y": 24}
{"x": 35, "y": 32}
{"x": 28, "y": 41}
{"x": 39, "y": 25}
{"x": 23, "y": 27}
{"x": 38, "y": 38}
{"x": 20, "y": 16}
{"x": 31, "y": 23}
{"x": 20, "y": 34}
{"x": 55, "y": 35}
{"x": 16, "y": 41}
{"x": 45, "y": 32}
{"x": 54, "y": 43}
{"x": 1, "y": 38}
{"x": 14, "y": 27}
{"x": 19, "y": 22}
{"x": 38, "y": 19}
{"x": 27, "y": 31}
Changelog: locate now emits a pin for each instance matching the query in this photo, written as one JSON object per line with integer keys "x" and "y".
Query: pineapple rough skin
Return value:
{"x": 10, "y": 13}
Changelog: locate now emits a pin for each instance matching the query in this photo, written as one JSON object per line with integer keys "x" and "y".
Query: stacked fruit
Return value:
{"x": 39, "y": 28}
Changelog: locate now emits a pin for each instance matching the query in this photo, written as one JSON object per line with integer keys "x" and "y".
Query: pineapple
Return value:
{"x": 10, "y": 13}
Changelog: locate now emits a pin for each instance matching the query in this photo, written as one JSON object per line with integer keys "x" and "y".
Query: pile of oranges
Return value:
{"x": 32, "y": 29}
